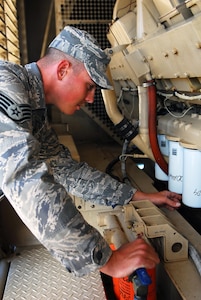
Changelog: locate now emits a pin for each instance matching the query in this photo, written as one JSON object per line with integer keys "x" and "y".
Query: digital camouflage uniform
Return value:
{"x": 36, "y": 174}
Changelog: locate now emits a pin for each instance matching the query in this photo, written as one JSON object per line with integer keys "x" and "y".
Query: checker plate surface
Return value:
{"x": 35, "y": 275}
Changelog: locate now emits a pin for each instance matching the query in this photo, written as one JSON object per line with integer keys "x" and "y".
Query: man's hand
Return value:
{"x": 131, "y": 256}
{"x": 168, "y": 199}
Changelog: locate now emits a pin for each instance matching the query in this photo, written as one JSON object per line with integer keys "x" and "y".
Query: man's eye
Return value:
{"x": 91, "y": 87}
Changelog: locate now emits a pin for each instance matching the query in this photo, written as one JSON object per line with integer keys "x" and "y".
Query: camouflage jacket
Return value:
{"x": 37, "y": 173}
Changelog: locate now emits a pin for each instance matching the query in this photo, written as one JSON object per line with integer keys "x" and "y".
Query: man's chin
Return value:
{"x": 71, "y": 110}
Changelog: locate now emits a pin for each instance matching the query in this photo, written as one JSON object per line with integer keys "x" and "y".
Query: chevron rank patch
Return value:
{"x": 17, "y": 112}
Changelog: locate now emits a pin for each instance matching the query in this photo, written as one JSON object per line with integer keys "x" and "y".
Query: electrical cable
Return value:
{"x": 110, "y": 166}
{"x": 122, "y": 158}
{"x": 173, "y": 115}
{"x": 124, "y": 7}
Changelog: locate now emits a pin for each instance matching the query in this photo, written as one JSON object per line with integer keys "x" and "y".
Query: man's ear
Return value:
{"x": 63, "y": 69}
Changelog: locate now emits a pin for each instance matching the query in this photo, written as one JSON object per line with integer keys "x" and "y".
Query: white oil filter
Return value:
{"x": 175, "y": 170}
{"x": 163, "y": 144}
{"x": 192, "y": 178}
{"x": 164, "y": 147}
{"x": 160, "y": 174}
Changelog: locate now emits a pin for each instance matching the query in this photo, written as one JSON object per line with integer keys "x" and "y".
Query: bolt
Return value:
{"x": 186, "y": 75}
{"x": 174, "y": 51}
{"x": 165, "y": 54}
{"x": 150, "y": 57}
{"x": 198, "y": 45}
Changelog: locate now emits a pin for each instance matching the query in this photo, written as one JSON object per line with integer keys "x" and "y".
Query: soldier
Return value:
{"x": 37, "y": 173}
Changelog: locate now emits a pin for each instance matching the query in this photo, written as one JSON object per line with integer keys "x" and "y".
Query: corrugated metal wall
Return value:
{"x": 9, "y": 40}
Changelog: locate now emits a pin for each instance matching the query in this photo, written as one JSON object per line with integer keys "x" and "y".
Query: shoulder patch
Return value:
{"x": 17, "y": 112}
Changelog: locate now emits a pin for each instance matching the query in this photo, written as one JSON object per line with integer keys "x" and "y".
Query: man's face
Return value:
{"x": 73, "y": 90}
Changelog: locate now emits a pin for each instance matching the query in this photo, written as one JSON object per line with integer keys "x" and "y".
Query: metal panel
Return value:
{"x": 35, "y": 274}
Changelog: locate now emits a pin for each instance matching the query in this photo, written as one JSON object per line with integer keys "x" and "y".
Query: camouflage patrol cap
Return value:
{"x": 83, "y": 47}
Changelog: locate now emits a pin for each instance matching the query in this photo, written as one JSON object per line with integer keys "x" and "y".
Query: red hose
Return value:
{"x": 153, "y": 129}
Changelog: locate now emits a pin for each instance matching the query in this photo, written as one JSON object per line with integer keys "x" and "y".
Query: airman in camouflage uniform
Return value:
{"x": 37, "y": 173}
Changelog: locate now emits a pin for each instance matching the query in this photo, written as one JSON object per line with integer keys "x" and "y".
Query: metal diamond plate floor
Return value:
{"x": 35, "y": 275}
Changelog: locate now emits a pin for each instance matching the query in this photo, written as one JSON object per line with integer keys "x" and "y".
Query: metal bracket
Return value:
{"x": 149, "y": 220}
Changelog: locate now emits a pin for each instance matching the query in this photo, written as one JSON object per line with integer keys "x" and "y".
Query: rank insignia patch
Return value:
{"x": 17, "y": 112}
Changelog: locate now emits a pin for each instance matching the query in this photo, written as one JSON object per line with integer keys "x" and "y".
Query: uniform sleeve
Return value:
{"x": 86, "y": 182}
{"x": 91, "y": 184}
{"x": 43, "y": 204}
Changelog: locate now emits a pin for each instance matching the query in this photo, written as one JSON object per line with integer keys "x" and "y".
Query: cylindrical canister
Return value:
{"x": 175, "y": 171}
{"x": 192, "y": 178}
{"x": 164, "y": 147}
{"x": 160, "y": 174}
